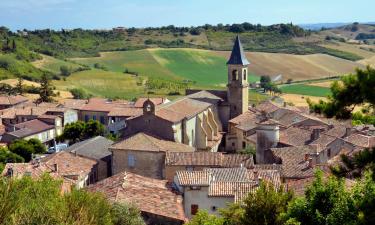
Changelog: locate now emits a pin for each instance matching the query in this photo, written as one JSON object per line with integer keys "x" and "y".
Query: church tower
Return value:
{"x": 238, "y": 86}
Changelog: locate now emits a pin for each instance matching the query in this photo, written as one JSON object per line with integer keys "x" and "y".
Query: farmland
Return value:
{"x": 53, "y": 65}
{"x": 303, "y": 89}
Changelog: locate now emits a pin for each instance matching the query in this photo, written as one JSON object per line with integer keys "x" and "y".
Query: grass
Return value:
{"x": 53, "y": 65}
{"x": 256, "y": 97}
{"x": 303, "y": 89}
{"x": 103, "y": 83}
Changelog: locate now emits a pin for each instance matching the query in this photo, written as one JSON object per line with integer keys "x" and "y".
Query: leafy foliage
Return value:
{"x": 26, "y": 148}
{"x": 46, "y": 93}
{"x": 80, "y": 130}
{"x": 27, "y": 201}
{"x": 79, "y": 93}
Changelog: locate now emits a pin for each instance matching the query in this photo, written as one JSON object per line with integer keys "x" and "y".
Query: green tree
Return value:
{"x": 265, "y": 205}
{"x": 93, "y": 128}
{"x": 79, "y": 93}
{"x": 73, "y": 131}
{"x": 325, "y": 203}
{"x": 203, "y": 218}
{"x": 65, "y": 70}
{"x": 26, "y": 149}
{"x": 265, "y": 83}
{"x": 352, "y": 90}
{"x": 46, "y": 90}
{"x": 6, "y": 89}
{"x": 19, "y": 89}
{"x": 364, "y": 196}
{"x": 123, "y": 214}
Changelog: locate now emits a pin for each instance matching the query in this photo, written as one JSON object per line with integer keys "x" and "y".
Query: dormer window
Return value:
{"x": 234, "y": 75}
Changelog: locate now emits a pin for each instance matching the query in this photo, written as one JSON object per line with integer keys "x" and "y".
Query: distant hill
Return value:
{"x": 319, "y": 26}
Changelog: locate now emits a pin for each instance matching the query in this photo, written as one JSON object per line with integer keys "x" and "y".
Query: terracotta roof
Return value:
{"x": 323, "y": 141}
{"x": 293, "y": 161}
{"x": 360, "y": 140}
{"x": 295, "y": 136}
{"x": 74, "y": 103}
{"x": 210, "y": 159}
{"x": 246, "y": 121}
{"x": 149, "y": 195}
{"x": 192, "y": 178}
{"x": 145, "y": 142}
{"x": 157, "y": 101}
{"x": 180, "y": 109}
{"x": 231, "y": 189}
{"x": 10, "y": 100}
{"x": 103, "y": 105}
{"x": 126, "y": 112}
{"x": 336, "y": 131}
{"x": 30, "y": 127}
{"x": 28, "y": 169}
{"x": 70, "y": 164}
{"x": 267, "y": 107}
{"x": 11, "y": 113}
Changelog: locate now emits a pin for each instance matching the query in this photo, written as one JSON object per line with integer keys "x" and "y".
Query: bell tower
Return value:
{"x": 238, "y": 86}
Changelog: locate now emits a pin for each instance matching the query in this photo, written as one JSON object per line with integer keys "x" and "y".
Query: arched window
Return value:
{"x": 234, "y": 75}
{"x": 244, "y": 74}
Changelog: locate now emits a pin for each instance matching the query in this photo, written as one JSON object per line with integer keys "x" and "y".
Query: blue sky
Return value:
{"x": 56, "y": 14}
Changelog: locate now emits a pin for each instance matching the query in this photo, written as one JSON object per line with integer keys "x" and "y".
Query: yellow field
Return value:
{"x": 13, "y": 82}
{"x": 352, "y": 48}
{"x": 298, "y": 67}
{"x": 300, "y": 100}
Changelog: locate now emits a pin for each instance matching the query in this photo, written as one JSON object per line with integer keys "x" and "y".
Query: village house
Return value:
{"x": 144, "y": 154}
{"x": 74, "y": 170}
{"x": 211, "y": 189}
{"x": 157, "y": 201}
{"x": 8, "y": 101}
{"x": 95, "y": 148}
{"x": 197, "y": 161}
{"x": 45, "y": 129}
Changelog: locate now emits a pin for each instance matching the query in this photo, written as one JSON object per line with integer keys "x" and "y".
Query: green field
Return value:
{"x": 203, "y": 68}
{"x": 53, "y": 65}
{"x": 303, "y": 89}
{"x": 103, "y": 83}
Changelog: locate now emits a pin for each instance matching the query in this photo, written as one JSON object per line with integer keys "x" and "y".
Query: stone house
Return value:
{"x": 212, "y": 189}
{"x": 76, "y": 171}
{"x": 95, "y": 148}
{"x": 144, "y": 154}
{"x": 44, "y": 129}
{"x": 8, "y": 101}
{"x": 157, "y": 201}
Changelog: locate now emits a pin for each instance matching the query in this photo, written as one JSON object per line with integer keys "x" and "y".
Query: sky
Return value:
{"x": 101, "y": 14}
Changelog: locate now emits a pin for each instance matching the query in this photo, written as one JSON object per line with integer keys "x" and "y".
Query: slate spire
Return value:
{"x": 238, "y": 56}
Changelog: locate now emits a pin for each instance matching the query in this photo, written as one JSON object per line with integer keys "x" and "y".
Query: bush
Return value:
{"x": 79, "y": 93}
{"x": 26, "y": 148}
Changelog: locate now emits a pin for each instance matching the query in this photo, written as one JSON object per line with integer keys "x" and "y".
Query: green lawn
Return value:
{"x": 303, "y": 89}
{"x": 256, "y": 97}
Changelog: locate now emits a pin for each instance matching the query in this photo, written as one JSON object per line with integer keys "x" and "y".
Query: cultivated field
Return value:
{"x": 300, "y": 100}
{"x": 358, "y": 49}
{"x": 303, "y": 89}
{"x": 298, "y": 67}
{"x": 102, "y": 83}
{"x": 53, "y": 65}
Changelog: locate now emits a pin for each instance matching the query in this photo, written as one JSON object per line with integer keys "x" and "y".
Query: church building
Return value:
{"x": 199, "y": 119}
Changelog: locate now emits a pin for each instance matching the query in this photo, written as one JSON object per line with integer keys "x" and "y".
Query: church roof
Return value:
{"x": 238, "y": 56}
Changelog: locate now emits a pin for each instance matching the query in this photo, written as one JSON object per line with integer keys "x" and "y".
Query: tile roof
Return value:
{"x": 361, "y": 140}
{"x": 336, "y": 131}
{"x": 74, "y": 103}
{"x": 293, "y": 161}
{"x": 96, "y": 147}
{"x": 156, "y": 100}
{"x": 149, "y": 195}
{"x": 103, "y": 105}
{"x": 267, "y": 107}
{"x": 11, "y": 113}
{"x": 192, "y": 178}
{"x": 178, "y": 110}
{"x": 210, "y": 159}
{"x": 231, "y": 189}
{"x": 145, "y": 142}
{"x": 323, "y": 141}
{"x": 295, "y": 136}
{"x": 125, "y": 112}
{"x": 30, "y": 127}
{"x": 10, "y": 100}
{"x": 246, "y": 121}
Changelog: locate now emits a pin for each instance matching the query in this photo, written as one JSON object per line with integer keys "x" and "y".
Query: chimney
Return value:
{"x": 311, "y": 163}
{"x": 56, "y": 168}
{"x": 348, "y": 131}
{"x": 315, "y": 134}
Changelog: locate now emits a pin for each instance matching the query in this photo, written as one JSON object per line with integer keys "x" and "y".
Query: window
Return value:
{"x": 243, "y": 144}
{"x": 94, "y": 117}
{"x": 131, "y": 160}
{"x": 244, "y": 74}
{"x": 233, "y": 144}
{"x": 194, "y": 209}
{"x": 87, "y": 118}
{"x": 213, "y": 208}
{"x": 234, "y": 75}
{"x": 329, "y": 153}
{"x": 102, "y": 119}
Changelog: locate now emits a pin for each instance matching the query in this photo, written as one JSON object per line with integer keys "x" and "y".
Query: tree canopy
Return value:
{"x": 80, "y": 130}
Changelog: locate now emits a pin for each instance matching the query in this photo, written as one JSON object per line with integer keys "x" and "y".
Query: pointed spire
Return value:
{"x": 238, "y": 56}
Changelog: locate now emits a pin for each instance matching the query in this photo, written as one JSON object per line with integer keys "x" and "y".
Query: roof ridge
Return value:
{"x": 149, "y": 138}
